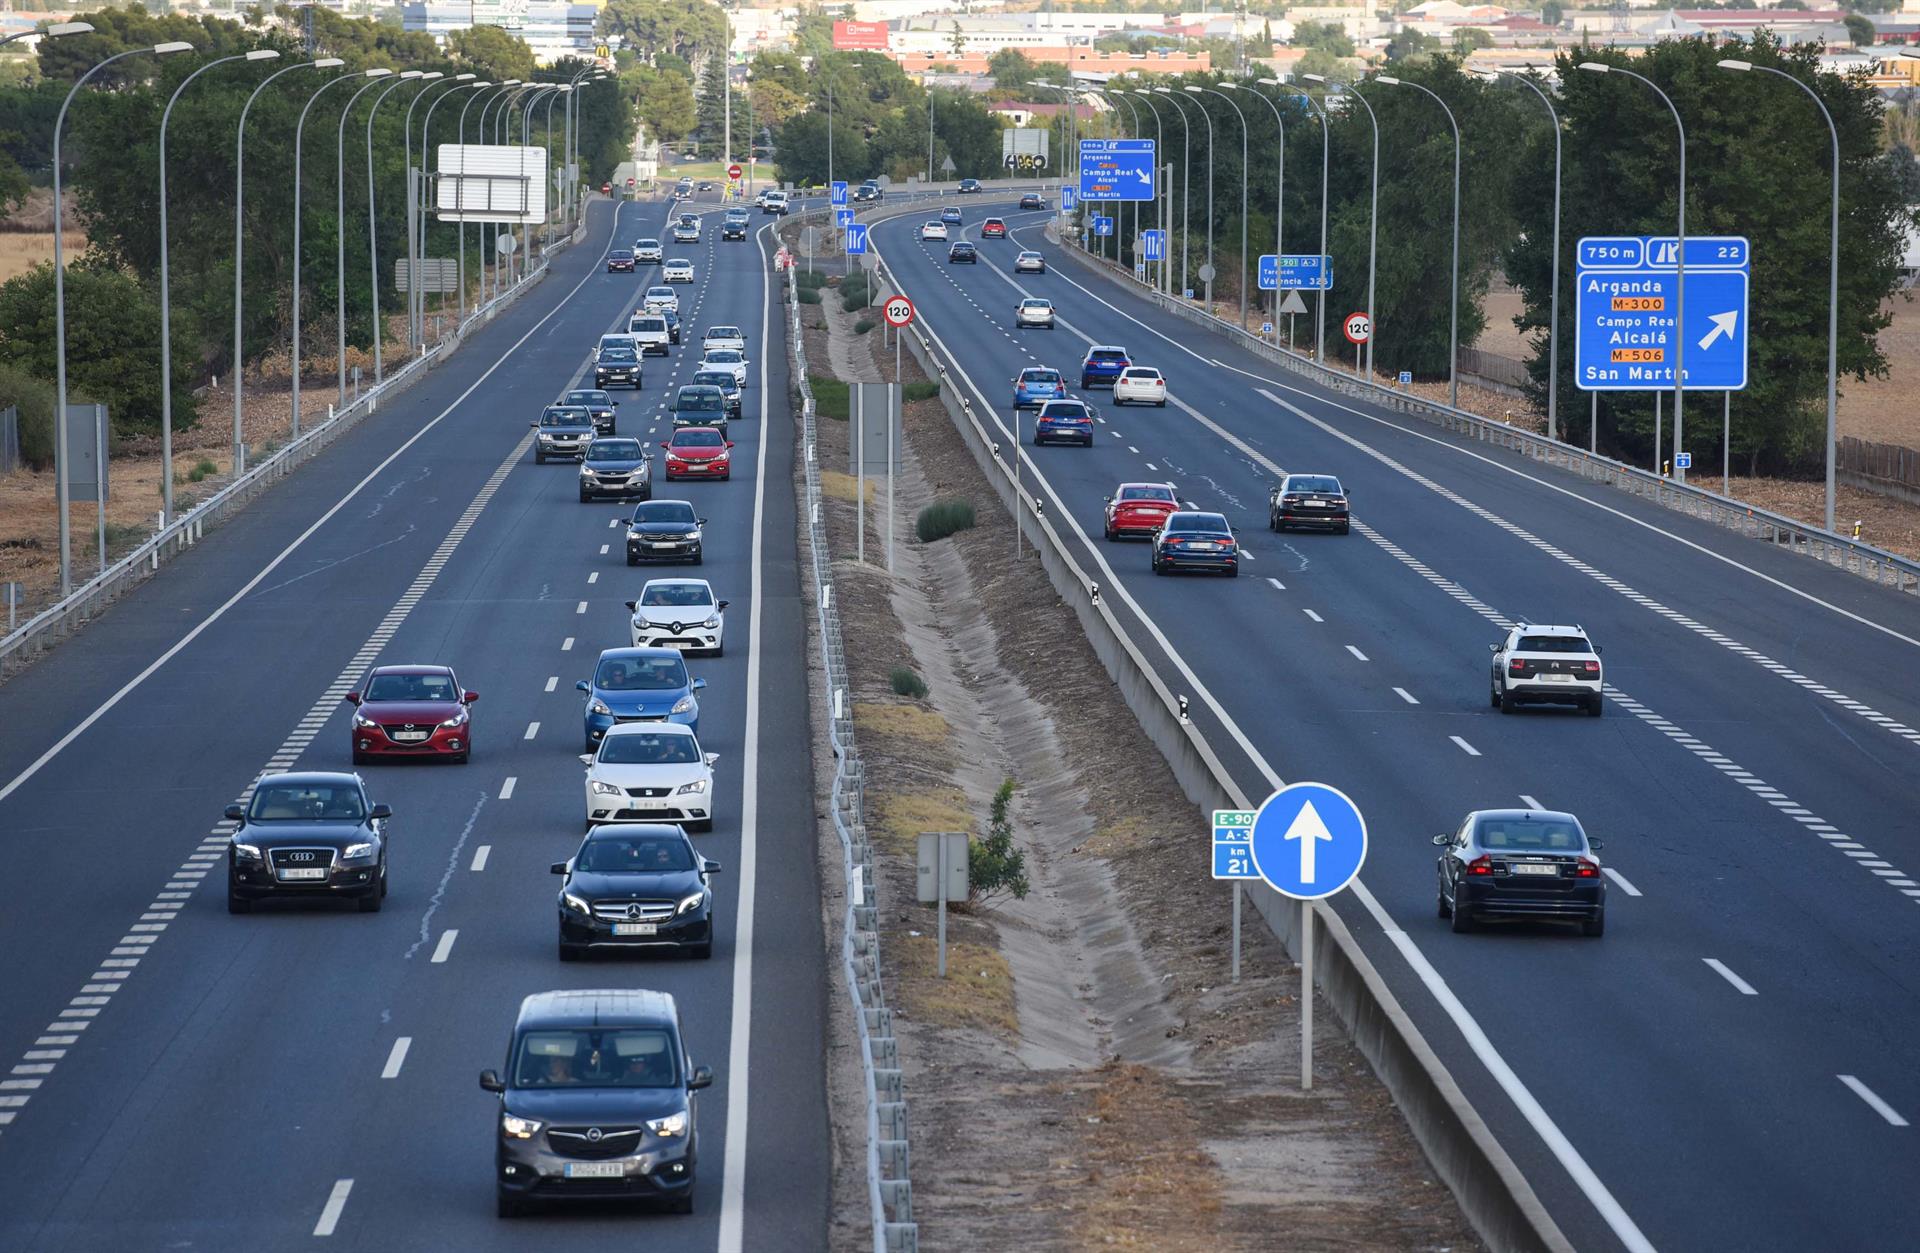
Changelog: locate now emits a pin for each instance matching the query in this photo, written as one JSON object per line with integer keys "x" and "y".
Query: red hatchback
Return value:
{"x": 698, "y": 452}
{"x": 1138, "y": 510}
{"x": 993, "y": 228}
{"x": 411, "y": 711}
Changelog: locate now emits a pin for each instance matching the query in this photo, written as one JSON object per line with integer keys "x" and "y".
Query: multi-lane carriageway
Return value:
{"x": 174, "y": 1078}
{"x": 1733, "y": 1066}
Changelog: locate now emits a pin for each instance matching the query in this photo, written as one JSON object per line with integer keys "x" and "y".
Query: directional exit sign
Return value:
{"x": 1627, "y": 327}
{"x": 1116, "y": 169}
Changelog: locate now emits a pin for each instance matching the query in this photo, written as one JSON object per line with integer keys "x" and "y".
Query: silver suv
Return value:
{"x": 1547, "y": 665}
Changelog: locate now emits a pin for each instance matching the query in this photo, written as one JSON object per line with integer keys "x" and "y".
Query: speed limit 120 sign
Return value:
{"x": 1359, "y": 328}
{"x": 898, "y": 311}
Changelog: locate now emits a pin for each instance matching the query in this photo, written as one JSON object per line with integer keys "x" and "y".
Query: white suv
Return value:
{"x": 1546, "y": 664}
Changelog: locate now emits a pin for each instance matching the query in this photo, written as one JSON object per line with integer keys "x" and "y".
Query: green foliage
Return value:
{"x": 1326, "y": 36}
{"x": 712, "y": 111}
{"x": 810, "y": 279}
{"x": 1905, "y": 172}
{"x": 1553, "y": 13}
{"x": 864, "y": 325}
{"x": 906, "y": 683}
{"x": 995, "y": 868}
{"x": 942, "y": 518}
{"x": 492, "y": 52}
{"x": 34, "y": 398}
{"x": 1469, "y": 38}
{"x": 809, "y": 295}
{"x": 682, "y": 28}
{"x": 202, "y": 469}
{"x": 1408, "y": 45}
{"x": 920, "y": 391}
{"x": 1011, "y": 68}
{"x": 855, "y": 291}
{"x": 831, "y": 398}
{"x": 1860, "y": 30}
{"x": 663, "y": 100}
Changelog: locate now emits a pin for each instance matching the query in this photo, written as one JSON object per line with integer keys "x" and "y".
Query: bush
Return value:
{"x": 809, "y": 282}
{"x": 809, "y": 296}
{"x": 830, "y": 397}
{"x": 942, "y": 518}
{"x": 995, "y": 868}
{"x": 907, "y": 683}
{"x": 920, "y": 391}
{"x": 864, "y": 325}
{"x": 856, "y": 292}
{"x": 34, "y": 397}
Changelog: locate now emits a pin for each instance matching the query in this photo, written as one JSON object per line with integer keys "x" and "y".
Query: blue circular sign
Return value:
{"x": 1309, "y": 841}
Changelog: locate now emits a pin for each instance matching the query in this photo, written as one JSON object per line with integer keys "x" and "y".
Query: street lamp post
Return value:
{"x": 1244, "y": 171}
{"x": 61, "y": 492}
{"x": 1186, "y": 188}
{"x": 1120, "y": 94}
{"x": 1280, "y": 185}
{"x": 1453, "y": 310}
{"x": 340, "y": 231}
{"x": 373, "y": 238}
{"x": 1373, "y": 218}
{"x": 416, "y": 187}
{"x": 460, "y": 193}
{"x": 1208, "y": 119}
{"x": 1680, "y": 267}
{"x": 508, "y": 90}
{"x": 426, "y": 210}
{"x": 299, "y": 137}
{"x": 1326, "y": 147}
{"x": 1553, "y": 315}
{"x": 1162, "y": 207}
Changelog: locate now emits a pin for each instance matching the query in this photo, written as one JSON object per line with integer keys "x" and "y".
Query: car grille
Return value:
{"x": 640, "y": 717}
{"x": 580, "y": 1141}
{"x": 407, "y": 732}
{"x": 300, "y": 858}
{"x": 622, "y": 911}
{"x": 649, "y": 791}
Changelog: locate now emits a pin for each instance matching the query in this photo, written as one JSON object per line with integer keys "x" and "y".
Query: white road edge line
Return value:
{"x": 1739, "y": 985}
{"x": 330, "y": 1214}
{"x": 1873, "y": 1100}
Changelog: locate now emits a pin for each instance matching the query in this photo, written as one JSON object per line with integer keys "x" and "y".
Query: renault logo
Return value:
{"x": 593, "y": 1135}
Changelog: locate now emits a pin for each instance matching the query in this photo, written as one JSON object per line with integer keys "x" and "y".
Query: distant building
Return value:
{"x": 553, "y": 29}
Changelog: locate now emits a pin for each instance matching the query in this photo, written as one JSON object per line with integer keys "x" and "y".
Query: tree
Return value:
{"x": 1468, "y": 38}
{"x": 1323, "y": 35}
{"x": 957, "y": 42}
{"x": 1860, "y": 30}
{"x": 686, "y": 29}
{"x": 1011, "y": 68}
{"x": 492, "y": 53}
{"x": 1553, "y": 13}
{"x": 803, "y": 149}
{"x": 1905, "y": 172}
{"x": 1407, "y": 45}
{"x": 663, "y": 101}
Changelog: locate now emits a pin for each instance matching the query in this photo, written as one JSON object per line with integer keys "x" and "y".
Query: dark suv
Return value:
{"x": 597, "y": 1102}
{"x": 636, "y": 885}
{"x": 307, "y": 835}
{"x": 698, "y": 404}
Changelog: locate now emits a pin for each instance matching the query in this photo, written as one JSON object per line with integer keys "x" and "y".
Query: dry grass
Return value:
{"x": 977, "y": 992}
{"x": 900, "y": 722}
{"x": 903, "y": 815}
{"x": 1884, "y": 522}
{"x": 1142, "y": 1191}
{"x": 20, "y": 251}
{"x": 846, "y": 487}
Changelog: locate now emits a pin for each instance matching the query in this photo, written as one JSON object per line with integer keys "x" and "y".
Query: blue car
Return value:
{"x": 1036, "y": 385}
{"x": 1063, "y": 421}
{"x": 640, "y": 685}
{"x": 1196, "y": 541}
{"x": 1104, "y": 363}
{"x": 950, "y": 216}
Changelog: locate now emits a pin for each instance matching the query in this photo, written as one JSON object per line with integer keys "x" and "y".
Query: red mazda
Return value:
{"x": 698, "y": 452}
{"x": 411, "y": 711}
{"x": 1139, "y": 509}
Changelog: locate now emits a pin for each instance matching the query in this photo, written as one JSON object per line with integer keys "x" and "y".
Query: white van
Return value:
{"x": 649, "y": 333}
{"x": 776, "y": 202}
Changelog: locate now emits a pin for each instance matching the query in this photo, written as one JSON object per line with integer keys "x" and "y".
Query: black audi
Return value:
{"x": 636, "y": 885}
{"x": 1315, "y": 501}
{"x": 1195, "y": 541}
{"x": 664, "y": 530}
{"x": 312, "y": 836}
{"x": 1521, "y": 863}
{"x": 961, "y": 250}
{"x": 599, "y": 407}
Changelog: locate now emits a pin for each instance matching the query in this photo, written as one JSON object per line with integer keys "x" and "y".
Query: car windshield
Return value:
{"x": 664, "y": 293}
{"x": 994, "y": 222}
{"x": 634, "y": 854}
{"x": 1197, "y": 522}
{"x": 699, "y": 398}
{"x": 665, "y": 511}
{"x": 714, "y": 378}
{"x": 724, "y": 332}
{"x": 1034, "y": 304}
{"x": 1143, "y": 375}
{"x": 596, "y": 1057}
{"x": 273, "y": 802}
{"x": 620, "y": 353}
{"x": 1039, "y": 376}
{"x": 1146, "y": 493}
{"x": 962, "y": 248}
{"x": 564, "y": 417}
{"x": 1531, "y": 835}
{"x": 676, "y": 594}
{"x": 725, "y": 356}
{"x": 657, "y": 325}
{"x": 1072, "y": 410}
{"x": 1029, "y": 256}
{"x": 621, "y": 254}
{"x": 614, "y": 450}
{"x": 588, "y": 398}
{"x": 698, "y": 439}
{"x": 423, "y": 687}
{"x": 1107, "y": 354}
{"x": 648, "y": 243}
{"x": 1554, "y": 644}
{"x": 1313, "y": 483}
{"x": 644, "y": 748}
{"x": 641, "y": 674}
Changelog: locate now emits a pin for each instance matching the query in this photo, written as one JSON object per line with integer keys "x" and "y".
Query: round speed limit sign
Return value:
{"x": 1359, "y": 328}
{"x": 898, "y": 311}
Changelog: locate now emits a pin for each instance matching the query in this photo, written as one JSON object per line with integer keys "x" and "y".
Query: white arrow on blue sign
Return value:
{"x": 1628, "y": 328}
{"x": 856, "y": 239}
{"x": 1153, "y": 245}
{"x": 843, "y": 218}
{"x": 1067, "y": 195}
{"x": 839, "y": 193}
{"x": 1309, "y": 841}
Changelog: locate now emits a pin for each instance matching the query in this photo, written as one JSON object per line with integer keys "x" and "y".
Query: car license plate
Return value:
{"x": 665, "y": 544}
{"x": 635, "y": 928}
{"x": 1314, "y": 504}
{"x": 1558, "y": 678}
{"x": 1535, "y": 868}
{"x": 596, "y": 1170}
{"x": 409, "y": 737}
{"x": 1207, "y": 547}
{"x": 304, "y": 873}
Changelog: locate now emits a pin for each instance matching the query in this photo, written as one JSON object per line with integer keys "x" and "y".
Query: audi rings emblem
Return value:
{"x": 593, "y": 1135}
{"x": 300, "y": 856}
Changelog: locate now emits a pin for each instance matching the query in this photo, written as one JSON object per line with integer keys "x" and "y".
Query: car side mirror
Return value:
{"x": 729, "y": 443}
{"x": 664, "y": 444}
{"x": 468, "y": 698}
{"x": 711, "y": 758}
{"x": 558, "y": 867}
{"x": 1598, "y": 650}
{"x": 1442, "y": 840}
{"x": 380, "y": 813}
{"x": 634, "y": 605}
{"x": 702, "y": 1078}
{"x": 698, "y": 684}
{"x": 490, "y": 1082}
{"x": 353, "y": 698}
{"x": 719, "y": 604}
{"x": 700, "y": 521}
{"x": 1595, "y": 844}
{"x": 586, "y": 759}
{"x": 581, "y": 686}
{"x": 614, "y": 403}
{"x": 711, "y": 867}
{"x": 236, "y": 813}
{"x": 535, "y": 425}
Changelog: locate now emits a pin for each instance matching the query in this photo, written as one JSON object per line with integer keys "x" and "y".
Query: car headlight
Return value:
{"x": 696, "y": 788}
{"x": 577, "y": 904}
{"x": 361, "y": 720}
{"x": 600, "y": 787}
{"x": 711, "y": 624}
{"x": 247, "y": 852}
{"x": 519, "y": 1128}
{"x": 667, "y": 1128}
{"x": 586, "y": 471}
{"x": 458, "y": 719}
{"x": 363, "y": 848}
{"x": 690, "y": 903}
{"x": 684, "y": 705}
{"x": 597, "y": 706}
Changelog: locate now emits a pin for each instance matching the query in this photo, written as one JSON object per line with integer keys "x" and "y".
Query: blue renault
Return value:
{"x": 639, "y": 685}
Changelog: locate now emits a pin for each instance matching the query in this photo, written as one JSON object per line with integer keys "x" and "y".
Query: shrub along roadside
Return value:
{"x": 942, "y": 518}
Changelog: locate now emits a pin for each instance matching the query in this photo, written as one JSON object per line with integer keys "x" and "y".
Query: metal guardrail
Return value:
{"x": 68, "y": 615}
{"x": 889, "y": 1190}
{"x": 1877, "y": 564}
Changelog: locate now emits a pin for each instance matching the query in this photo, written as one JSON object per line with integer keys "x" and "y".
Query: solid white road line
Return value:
{"x": 480, "y": 856}
{"x": 1356, "y": 652}
{"x": 1620, "y": 881}
{"x": 533, "y": 729}
{"x": 1405, "y": 695}
{"x": 1868, "y": 1095}
{"x": 506, "y": 788}
{"x": 1465, "y": 747}
{"x": 1740, "y": 985}
{"x": 397, "y": 1058}
{"x": 330, "y": 1214}
{"x": 1531, "y": 803}
{"x": 445, "y": 946}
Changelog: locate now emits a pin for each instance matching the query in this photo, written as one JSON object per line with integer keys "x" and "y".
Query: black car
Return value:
{"x": 970, "y": 187}
{"x": 868, "y": 190}
{"x": 673, "y": 324}
{"x": 308, "y": 835}
{"x": 664, "y": 530}
{"x": 1196, "y": 541}
{"x": 616, "y": 467}
{"x": 564, "y": 431}
{"x": 732, "y": 227}
{"x": 961, "y": 250}
{"x": 599, "y": 407}
{"x": 620, "y": 259}
{"x": 700, "y": 404}
{"x": 1032, "y": 200}
{"x": 1314, "y": 501}
{"x": 597, "y": 1102}
{"x": 617, "y": 363}
{"x": 635, "y": 885}
{"x": 728, "y": 385}
{"x": 1521, "y": 863}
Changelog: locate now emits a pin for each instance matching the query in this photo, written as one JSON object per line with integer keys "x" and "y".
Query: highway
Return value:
{"x": 1733, "y": 1066}
{"x": 180, "y": 1078}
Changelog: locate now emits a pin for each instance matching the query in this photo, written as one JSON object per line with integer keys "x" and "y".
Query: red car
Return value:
{"x": 411, "y": 711}
{"x": 993, "y": 228}
{"x": 698, "y": 452}
{"x": 1138, "y": 510}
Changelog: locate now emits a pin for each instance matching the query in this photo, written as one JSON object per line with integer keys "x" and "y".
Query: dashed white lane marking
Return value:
{"x": 336, "y": 1202}
{"x": 480, "y": 857}
{"x": 1278, "y": 586}
{"x": 1311, "y": 614}
{"x": 581, "y": 607}
{"x": 533, "y": 729}
{"x": 1132, "y": 449}
{"x": 397, "y": 1058}
{"x": 1620, "y": 881}
{"x": 1357, "y": 653}
{"x": 604, "y": 548}
{"x": 553, "y": 681}
{"x": 1153, "y": 467}
{"x": 566, "y": 645}
{"x": 1465, "y": 747}
{"x": 445, "y": 946}
{"x": 1531, "y": 803}
{"x": 594, "y": 577}
{"x": 506, "y": 787}
{"x": 613, "y": 522}
{"x": 1405, "y": 695}
{"x": 1740, "y": 985}
{"x": 1873, "y": 1100}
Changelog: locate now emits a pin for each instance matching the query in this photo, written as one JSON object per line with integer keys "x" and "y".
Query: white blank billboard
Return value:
{"x": 491, "y": 183}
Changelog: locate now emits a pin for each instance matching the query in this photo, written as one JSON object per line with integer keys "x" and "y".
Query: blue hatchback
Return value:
{"x": 1036, "y": 385}
{"x": 1065, "y": 421}
{"x": 950, "y": 216}
{"x": 640, "y": 685}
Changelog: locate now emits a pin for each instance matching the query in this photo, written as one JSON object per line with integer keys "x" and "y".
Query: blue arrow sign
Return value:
{"x": 1233, "y": 844}
{"x": 1102, "y": 226}
{"x": 856, "y": 239}
{"x": 1627, "y": 327}
{"x": 839, "y": 193}
{"x": 1153, "y": 245}
{"x": 1309, "y": 841}
{"x": 1306, "y": 271}
{"x": 1116, "y": 169}
{"x": 1067, "y": 197}
{"x": 843, "y": 218}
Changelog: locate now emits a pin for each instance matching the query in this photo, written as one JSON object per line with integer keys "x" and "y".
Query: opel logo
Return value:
{"x": 299, "y": 856}
{"x": 593, "y": 1135}
{"x": 633, "y": 911}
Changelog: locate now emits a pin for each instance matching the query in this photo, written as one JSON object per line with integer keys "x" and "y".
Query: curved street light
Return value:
{"x": 340, "y": 217}
{"x": 1280, "y": 184}
{"x": 460, "y": 191}
{"x": 373, "y": 234}
{"x": 1553, "y": 315}
{"x": 1186, "y": 187}
{"x": 426, "y": 210}
{"x": 1453, "y": 305}
{"x": 1206, "y": 117}
{"x": 299, "y": 137}
{"x": 1326, "y": 147}
{"x": 1244, "y": 171}
{"x": 415, "y": 332}
{"x": 1163, "y": 206}
{"x": 1348, "y": 91}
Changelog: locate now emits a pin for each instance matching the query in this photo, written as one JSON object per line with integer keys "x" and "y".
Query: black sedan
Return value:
{"x": 599, "y": 407}
{"x": 1196, "y": 541}
{"x": 1313, "y": 501}
{"x": 963, "y": 251}
{"x": 636, "y": 885}
{"x": 616, "y": 467}
{"x": 970, "y": 187}
{"x": 1521, "y": 863}
{"x": 308, "y": 835}
{"x": 1032, "y": 200}
{"x": 664, "y": 530}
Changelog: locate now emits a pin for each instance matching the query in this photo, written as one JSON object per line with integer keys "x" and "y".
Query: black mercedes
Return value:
{"x": 636, "y": 885}
{"x": 312, "y": 836}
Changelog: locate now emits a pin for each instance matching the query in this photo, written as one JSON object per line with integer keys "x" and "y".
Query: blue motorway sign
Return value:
{"x": 1233, "y": 844}
{"x": 1305, "y": 271}
{"x": 1683, "y": 461}
{"x": 1102, "y": 225}
{"x": 843, "y": 218}
{"x": 856, "y": 239}
{"x": 839, "y": 192}
{"x": 1628, "y": 328}
{"x": 1066, "y": 198}
{"x": 1153, "y": 245}
{"x": 1309, "y": 841}
{"x": 1116, "y": 169}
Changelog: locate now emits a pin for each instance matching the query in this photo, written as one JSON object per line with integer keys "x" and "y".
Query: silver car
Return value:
{"x": 1029, "y": 262}
{"x": 646, "y": 250}
{"x": 678, "y": 270}
{"x": 1034, "y": 311}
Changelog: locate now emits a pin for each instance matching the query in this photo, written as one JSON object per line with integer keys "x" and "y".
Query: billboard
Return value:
{"x": 860, "y": 36}
{"x": 491, "y": 183}
{"x": 1024, "y": 141}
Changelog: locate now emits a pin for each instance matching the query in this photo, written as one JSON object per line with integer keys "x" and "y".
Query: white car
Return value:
{"x": 646, "y": 250}
{"x": 933, "y": 230}
{"x": 1546, "y": 664}
{"x": 649, "y": 332}
{"x": 650, "y": 772}
{"x": 1034, "y": 311}
{"x": 723, "y": 337}
{"x": 775, "y": 203}
{"x": 726, "y": 361}
{"x": 1030, "y": 262}
{"x": 1140, "y": 385}
{"x": 659, "y": 298}
{"x": 678, "y": 270}
{"x": 686, "y": 233}
{"x": 679, "y": 613}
